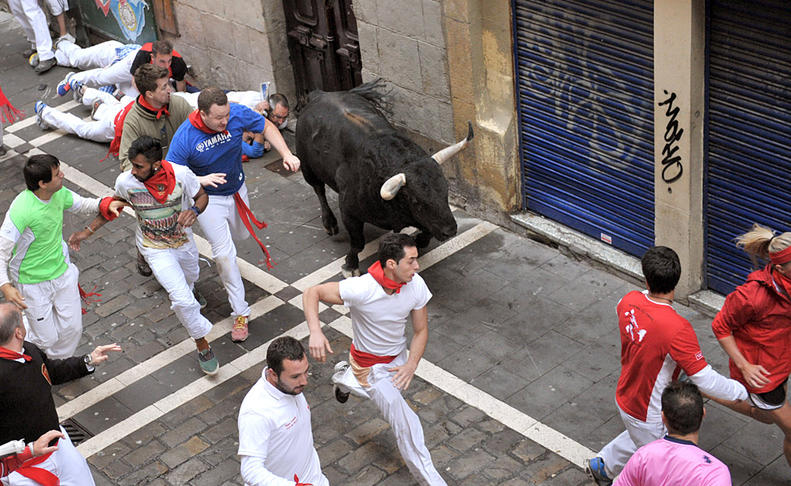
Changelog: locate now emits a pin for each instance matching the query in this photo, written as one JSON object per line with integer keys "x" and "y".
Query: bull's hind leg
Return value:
{"x": 356, "y": 242}
{"x": 327, "y": 217}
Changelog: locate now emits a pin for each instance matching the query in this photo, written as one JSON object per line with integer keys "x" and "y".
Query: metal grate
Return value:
{"x": 77, "y": 433}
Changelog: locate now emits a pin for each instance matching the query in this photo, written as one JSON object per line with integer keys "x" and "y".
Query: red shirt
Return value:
{"x": 759, "y": 318}
{"x": 656, "y": 343}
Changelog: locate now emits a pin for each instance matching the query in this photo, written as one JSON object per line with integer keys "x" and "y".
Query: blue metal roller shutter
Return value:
{"x": 585, "y": 96}
{"x": 749, "y": 130}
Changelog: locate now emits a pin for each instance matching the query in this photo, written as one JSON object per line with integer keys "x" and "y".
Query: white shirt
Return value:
{"x": 379, "y": 319}
{"x": 275, "y": 438}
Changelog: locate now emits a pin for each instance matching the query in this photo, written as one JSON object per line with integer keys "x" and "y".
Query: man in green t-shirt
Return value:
{"x": 32, "y": 250}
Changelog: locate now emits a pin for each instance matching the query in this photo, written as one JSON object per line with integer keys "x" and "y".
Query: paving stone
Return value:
{"x": 470, "y": 462}
{"x": 223, "y": 471}
{"x": 185, "y": 472}
{"x": 190, "y": 427}
{"x": 144, "y": 474}
{"x": 365, "y": 432}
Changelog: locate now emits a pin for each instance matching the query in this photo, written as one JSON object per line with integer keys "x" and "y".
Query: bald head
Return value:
{"x": 10, "y": 320}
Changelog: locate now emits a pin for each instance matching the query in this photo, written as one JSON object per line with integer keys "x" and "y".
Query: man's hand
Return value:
{"x": 187, "y": 218}
{"x": 212, "y": 179}
{"x": 12, "y": 295}
{"x": 116, "y": 206}
{"x": 78, "y": 237}
{"x": 291, "y": 162}
{"x": 755, "y": 375}
{"x": 99, "y": 355}
{"x": 319, "y": 346}
{"x": 403, "y": 375}
{"x": 267, "y": 146}
{"x": 41, "y": 445}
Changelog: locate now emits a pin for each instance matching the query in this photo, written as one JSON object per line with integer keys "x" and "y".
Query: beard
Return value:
{"x": 288, "y": 391}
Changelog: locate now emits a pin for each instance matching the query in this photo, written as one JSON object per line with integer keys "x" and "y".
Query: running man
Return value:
{"x": 275, "y": 436}
{"x": 211, "y": 142}
{"x": 380, "y": 303}
{"x": 32, "y": 248}
{"x": 167, "y": 200}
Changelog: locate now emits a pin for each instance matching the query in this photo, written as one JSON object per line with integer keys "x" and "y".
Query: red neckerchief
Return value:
{"x": 7, "y": 110}
{"x": 115, "y": 145}
{"x": 247, "y": 216}
{"x": 156, "y": 111}
{"x": 161, "y": 184}
{"x": 6, "y": 353}
{"x": 783, "y": 281}
{"x": 780, "y": 257}
{"x": 198, "y": 123}
{"x": 378, "y": 274}
{"x": 296, "y": 479}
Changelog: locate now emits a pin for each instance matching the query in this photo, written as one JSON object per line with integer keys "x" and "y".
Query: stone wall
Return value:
{"x": 404, "y": 43}
{"x": 233, "y": 44}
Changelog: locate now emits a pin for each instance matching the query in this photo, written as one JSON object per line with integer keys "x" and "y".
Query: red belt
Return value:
{"x": 366, "y": 360}
{"x": 247, "y": 216}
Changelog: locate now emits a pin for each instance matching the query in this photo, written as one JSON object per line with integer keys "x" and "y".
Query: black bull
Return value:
{"x": 381, "y": 176}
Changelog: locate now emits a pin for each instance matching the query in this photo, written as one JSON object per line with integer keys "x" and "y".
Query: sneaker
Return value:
{"x": 208, "y": 362}
{"x": 96, "y": 105}
{"x": 595, "y": 470}
{"x": 199, "y": 297}
{"x": 340, "y": 395}
{"x": 44, "y": 66}
{"x": 39, "y": 109}
{"x": 77, "y": 90}
{"x": 240, "y": 332}
{"x": 63, "y": 86}
{"x": 29, "y": 52}
{"x": 142, "y": 266}
{"x": 33, "y": 59}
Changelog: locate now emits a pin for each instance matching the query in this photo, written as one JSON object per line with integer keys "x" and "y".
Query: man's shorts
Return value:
{"x": 771, "y": 400}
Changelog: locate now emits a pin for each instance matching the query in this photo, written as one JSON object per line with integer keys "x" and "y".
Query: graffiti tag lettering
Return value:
{"x": 671, "y": 163}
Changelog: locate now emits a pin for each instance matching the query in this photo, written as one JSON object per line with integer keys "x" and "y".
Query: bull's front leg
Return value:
{"x": 327, "y": 217}
{"x": 356, "y": 244}
{"x": 422, "y": 239}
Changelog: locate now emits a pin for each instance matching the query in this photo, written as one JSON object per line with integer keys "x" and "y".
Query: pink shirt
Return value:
{"x": 671, "y": 461}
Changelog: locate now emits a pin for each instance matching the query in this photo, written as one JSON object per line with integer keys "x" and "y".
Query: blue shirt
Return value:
{"x": 207, "y": 153}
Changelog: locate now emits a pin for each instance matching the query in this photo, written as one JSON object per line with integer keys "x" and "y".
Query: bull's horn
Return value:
{"x": 449, "y": 152}
{"x": 391, "y": 186}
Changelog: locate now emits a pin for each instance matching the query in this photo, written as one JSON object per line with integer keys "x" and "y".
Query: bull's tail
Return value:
{"x": 374, "y": 92}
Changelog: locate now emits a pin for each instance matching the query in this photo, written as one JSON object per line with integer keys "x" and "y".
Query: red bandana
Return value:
{"x": 198, "y": 123}
{"x": 378, "y": 274}
{"x": 6, "y": 353}
{"x": 162, "y": 183}
{"x": 158, "y": 112}
{"x": 780, "y": 257}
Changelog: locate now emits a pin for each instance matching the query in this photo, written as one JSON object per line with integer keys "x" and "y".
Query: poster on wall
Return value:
{"x": 129, "y": 15}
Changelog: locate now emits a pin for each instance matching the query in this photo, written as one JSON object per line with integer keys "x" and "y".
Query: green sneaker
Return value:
{"x": 208, "y": 362}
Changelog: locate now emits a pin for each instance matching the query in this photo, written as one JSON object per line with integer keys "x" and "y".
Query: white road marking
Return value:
{"x": 445, "y": 381}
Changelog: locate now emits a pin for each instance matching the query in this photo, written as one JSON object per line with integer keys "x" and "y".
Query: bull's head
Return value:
{"x": 428, "y": 190}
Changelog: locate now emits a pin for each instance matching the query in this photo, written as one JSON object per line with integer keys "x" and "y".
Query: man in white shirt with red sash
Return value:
{"x": 380, "y": 303}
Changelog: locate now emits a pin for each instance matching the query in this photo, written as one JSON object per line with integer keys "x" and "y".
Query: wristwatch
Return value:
{"x": 88, "y": 362}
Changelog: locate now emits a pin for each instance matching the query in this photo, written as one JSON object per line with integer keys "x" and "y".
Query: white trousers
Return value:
{"x": 98, "y": 131}
{"x": 34, "y": 24}
{"x": 221, "y": 225}
{"x": 402, "y": 419}
{"x": 66, "y": 463}
{"x": 100, "y": 62}
{"x": 176, "y": 269}
{"x": 637, "y": 434}
{"x": 54, "y": 314}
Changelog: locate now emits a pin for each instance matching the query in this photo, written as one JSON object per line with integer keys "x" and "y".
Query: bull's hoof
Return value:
{"x": 347, "y": 272}
{"x": 332, "y": 230}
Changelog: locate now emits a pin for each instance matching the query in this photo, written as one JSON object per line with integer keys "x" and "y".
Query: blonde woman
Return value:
{"x": 754, "y": 328}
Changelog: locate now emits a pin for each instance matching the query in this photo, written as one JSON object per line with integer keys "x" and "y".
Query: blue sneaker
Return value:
{"x": 595, "y": 469}
{"x": 64, "y": 86}
{"x": 39, "y": 108}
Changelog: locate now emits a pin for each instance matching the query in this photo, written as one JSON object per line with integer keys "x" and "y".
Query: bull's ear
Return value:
{"x": 391, "y": 186}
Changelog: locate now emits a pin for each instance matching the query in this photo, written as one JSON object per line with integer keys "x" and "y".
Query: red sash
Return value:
{"x": 115, "y": 145}
{"x": 366, "y": 360}
{"x": 247, "y": 216}
{"x": 37, "y": 474}
{"x": 7, "y": 111}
